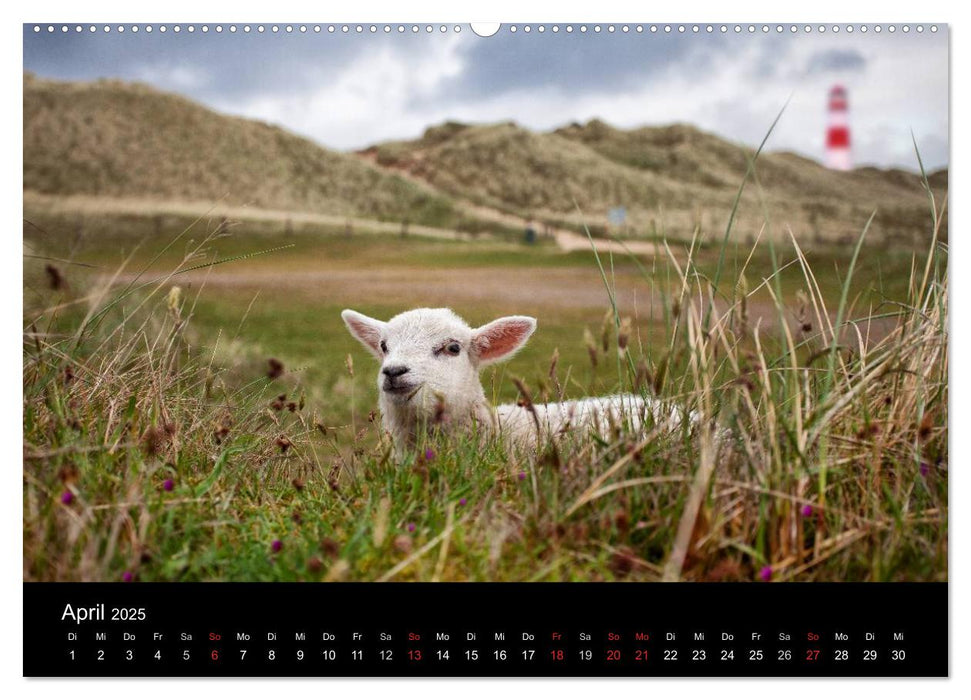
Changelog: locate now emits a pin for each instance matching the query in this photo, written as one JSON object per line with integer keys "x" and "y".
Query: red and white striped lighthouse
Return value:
{"x": 838, "y": 131}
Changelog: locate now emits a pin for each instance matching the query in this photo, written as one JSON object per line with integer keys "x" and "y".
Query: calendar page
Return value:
{"x": 546, "y": 349}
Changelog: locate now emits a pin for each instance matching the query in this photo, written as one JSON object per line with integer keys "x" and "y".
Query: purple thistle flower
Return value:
{"x": 766, "y": 573}
{"x": 429, "y": 454}
{"x": 127, "y": 577}
{"x": 807, "y": 510}
{"x": 925, "y": 468}
{"x": 67, "y": 497}
{"x": 522, "y": 476}
{"x": 411, "y": 527}
{"x": 462, "y": 501}
{"x": 276, "y": 546}
{"x": 168, "y": 484}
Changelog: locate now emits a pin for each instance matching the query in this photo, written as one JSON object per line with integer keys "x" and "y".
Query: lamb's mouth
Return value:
{"x": 402, "y": 392}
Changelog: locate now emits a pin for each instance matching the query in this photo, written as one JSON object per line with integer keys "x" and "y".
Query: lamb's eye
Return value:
{"x": 453, "y": 348}
{"x": 384, "y": 347}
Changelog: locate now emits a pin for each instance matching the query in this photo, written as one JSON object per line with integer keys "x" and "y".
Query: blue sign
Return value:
{"x": 617, "y": 216}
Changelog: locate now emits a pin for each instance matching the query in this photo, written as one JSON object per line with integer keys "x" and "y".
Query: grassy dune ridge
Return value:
{"x": 672, "y": 180}
{"x": 115, "y": 139}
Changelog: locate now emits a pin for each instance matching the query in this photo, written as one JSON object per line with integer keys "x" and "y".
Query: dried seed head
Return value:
{"x": 349, "y": 364}
{"x": 660, "y": 374}
{"x": 220, "y": 431}
{"x": 55, "y": 280}
{"x": 742, "y": 286}
{"x": 551, "y": 457}
{"x": 174, "y": 300}
{"x": 745, "y": 382}
{"x": 68, "y": 474}
{"x": 274, "y": 368}
{"x": 283, "y": 443}
{"x": 623, "y": 335}
{"x": 525, "y": 397}
{"x": 643, "y": 377}
{"x": 439, "y": 411}
{"x": 803, "y": 301}
{"x": 298, "y": 484}
{"x": 554, "y": 359}
{"x": 621, "y": 520}
{"x": 153, "y": 441}
{"x": 926, "y": 426}
{"x": 605, "y": 326}
{"x": 591, "y": 346}
{"x": 333, "y": 476}
{"x": 329, "y": 547}
{"x": 622, "y": 561}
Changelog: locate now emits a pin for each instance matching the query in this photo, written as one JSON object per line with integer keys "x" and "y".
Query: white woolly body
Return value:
{"x": 519, "y": 427}
{"x": 429, "y": 376}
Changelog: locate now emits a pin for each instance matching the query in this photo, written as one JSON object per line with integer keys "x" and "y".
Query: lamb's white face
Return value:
{"x": 426, "y": 353}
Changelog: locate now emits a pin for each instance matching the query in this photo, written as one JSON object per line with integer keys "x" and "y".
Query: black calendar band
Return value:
{"x": 485, "y": 629}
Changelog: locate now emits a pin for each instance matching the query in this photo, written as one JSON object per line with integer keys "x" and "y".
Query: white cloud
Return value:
{"x": 174, "y": 77}
{"x": 372, "y": 100}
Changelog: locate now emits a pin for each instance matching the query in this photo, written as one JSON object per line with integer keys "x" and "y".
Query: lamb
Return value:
{"x": 429, "y": 376}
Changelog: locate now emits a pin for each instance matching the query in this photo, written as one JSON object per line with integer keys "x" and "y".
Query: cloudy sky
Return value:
{"x": 349, "y": 91}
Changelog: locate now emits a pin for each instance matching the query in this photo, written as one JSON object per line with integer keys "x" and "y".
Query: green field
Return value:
{"x": 158, "y": 448}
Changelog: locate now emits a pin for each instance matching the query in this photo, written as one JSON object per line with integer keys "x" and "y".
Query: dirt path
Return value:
{"x": 519, "y": 288}
{"x": 150, "y": 207}
{"x": 567, "y": 241}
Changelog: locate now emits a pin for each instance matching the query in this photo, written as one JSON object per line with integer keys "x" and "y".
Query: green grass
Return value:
{"x": 124, "y": 390}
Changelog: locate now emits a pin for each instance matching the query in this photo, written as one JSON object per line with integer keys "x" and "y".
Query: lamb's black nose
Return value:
{"x": 394, "y": 372}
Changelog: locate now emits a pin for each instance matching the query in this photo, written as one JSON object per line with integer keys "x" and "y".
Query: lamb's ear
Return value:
{"x": 366, "y": 329}
{"x": 501, "y": 339}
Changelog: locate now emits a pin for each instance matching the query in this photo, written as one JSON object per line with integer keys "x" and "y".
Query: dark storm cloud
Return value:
{"x": 836, "y": 60}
